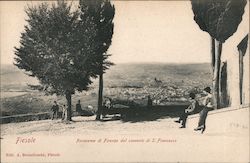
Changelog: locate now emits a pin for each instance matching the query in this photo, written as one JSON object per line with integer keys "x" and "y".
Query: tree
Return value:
{"x": 55, "y": 47}
{"x": 224, "y": 100}
{"x": 101, "y": 13}
{"x": 220, "y": 19}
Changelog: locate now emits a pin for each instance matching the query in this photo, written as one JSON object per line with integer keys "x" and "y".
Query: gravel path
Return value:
{"x": 86, "y": 140}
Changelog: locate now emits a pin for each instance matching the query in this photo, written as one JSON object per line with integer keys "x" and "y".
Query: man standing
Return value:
{"x": 54, "y": 109}
{"x": 78, "y": 107}
{"x": 64, "y": 112}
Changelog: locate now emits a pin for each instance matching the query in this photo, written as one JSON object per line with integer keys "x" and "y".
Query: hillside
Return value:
{"x": 13, "y": 79}
{"x": 123, "y": 81}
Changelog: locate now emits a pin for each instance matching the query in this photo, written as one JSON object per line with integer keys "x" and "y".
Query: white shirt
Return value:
{"x": 208, "y": 102}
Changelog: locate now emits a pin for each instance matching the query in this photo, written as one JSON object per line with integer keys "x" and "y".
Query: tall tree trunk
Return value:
{"x": 241, "y": 74}
{"x": 99, "y": 110}
{"x": 224, "y": 101}
{"x": 216, "y": 74}
{"x": 68, "y": 111}
{"x": 212, "y": 53}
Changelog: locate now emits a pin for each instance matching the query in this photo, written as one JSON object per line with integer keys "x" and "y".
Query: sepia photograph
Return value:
{"x": 124, "y": 81}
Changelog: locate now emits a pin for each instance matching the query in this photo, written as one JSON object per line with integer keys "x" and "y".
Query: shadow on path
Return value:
{"x": 140, "y": 114}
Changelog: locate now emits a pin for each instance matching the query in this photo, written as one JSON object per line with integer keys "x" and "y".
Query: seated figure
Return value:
{"x": 192, "y": 108}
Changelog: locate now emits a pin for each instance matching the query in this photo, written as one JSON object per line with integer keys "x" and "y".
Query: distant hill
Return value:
{"x": 120, "y": 74}
{"x": 168, "y": 73}
{"x": 13, "y": 78}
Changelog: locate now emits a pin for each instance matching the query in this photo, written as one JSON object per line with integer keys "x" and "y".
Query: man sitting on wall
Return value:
{"x": 192, "y": 108}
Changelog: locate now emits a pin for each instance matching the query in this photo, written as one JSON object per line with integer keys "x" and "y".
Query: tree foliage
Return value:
{"x": 101, "y": 12}
{"x": 56, "y": 47}
{"x": 220, "y": 18}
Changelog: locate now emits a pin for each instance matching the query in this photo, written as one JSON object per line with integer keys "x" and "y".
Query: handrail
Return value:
{"x": 23, "y": 115}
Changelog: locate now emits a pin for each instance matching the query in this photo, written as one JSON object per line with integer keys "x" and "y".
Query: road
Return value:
{"x": 86, "y": 140}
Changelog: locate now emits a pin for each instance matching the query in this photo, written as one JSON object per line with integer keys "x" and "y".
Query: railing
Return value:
{"x": 25, "y": 117}
{"x": 35, "y": 117}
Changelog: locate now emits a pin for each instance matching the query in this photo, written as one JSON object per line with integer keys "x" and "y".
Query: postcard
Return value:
{"x": 124, "y": 81}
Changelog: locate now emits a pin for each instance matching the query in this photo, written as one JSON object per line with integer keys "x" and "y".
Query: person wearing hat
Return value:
{"x": 208, "y": 105}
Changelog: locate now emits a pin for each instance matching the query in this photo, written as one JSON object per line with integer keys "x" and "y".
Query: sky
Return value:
{"x": 144, "y": 31}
